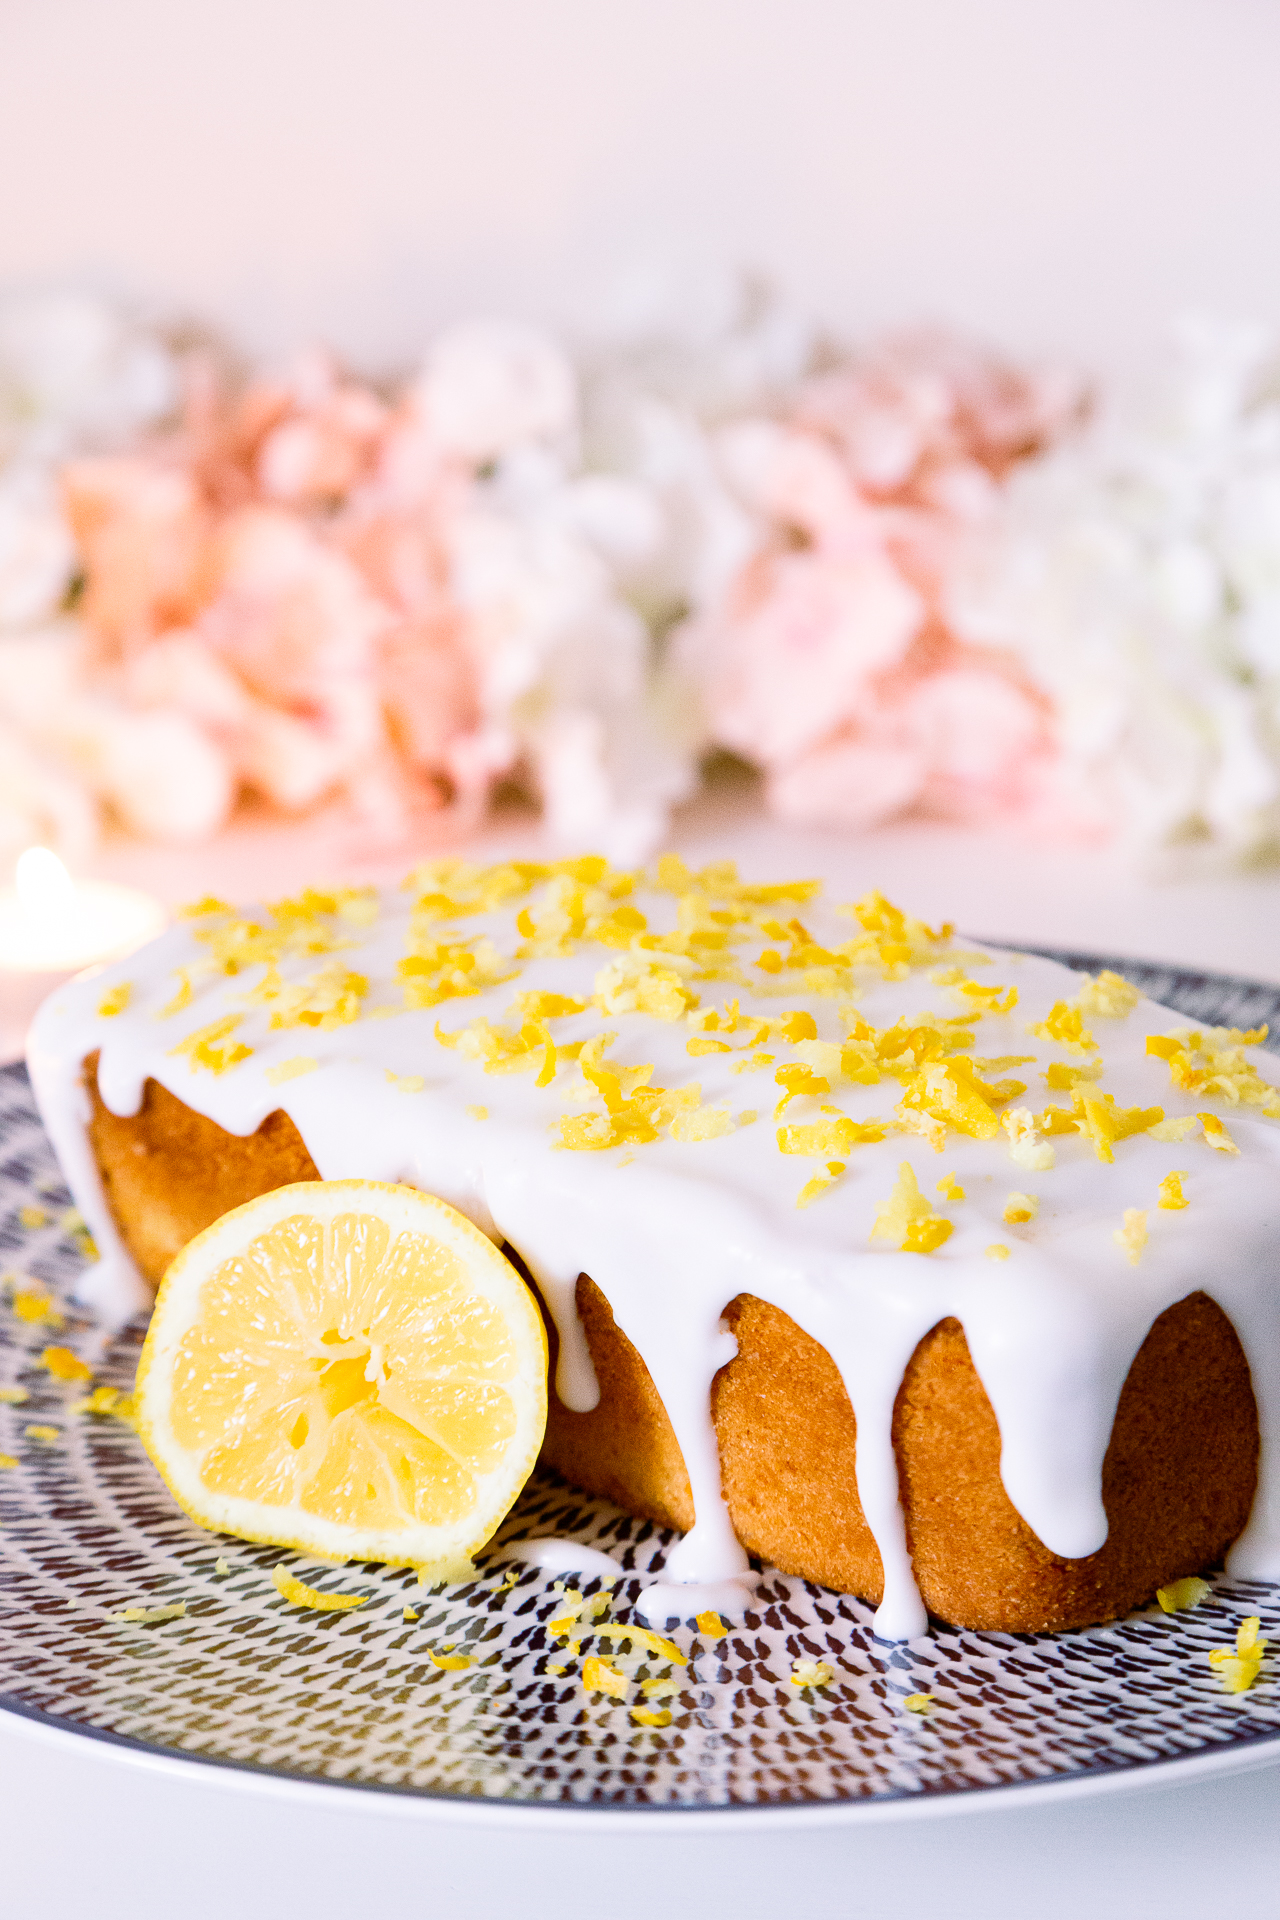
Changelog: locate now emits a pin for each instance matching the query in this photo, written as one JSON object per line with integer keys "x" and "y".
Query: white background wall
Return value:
{"x": 1058, "y": 173}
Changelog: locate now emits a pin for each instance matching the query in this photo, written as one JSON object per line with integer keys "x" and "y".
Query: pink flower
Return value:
{"x": 141, "y": 526}
{"x": 802, "y": 641}
{"x": 830, "y": 661}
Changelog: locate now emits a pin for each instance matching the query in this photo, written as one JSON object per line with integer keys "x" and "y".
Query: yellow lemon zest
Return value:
{"x": 1216, "y": 1134}
{"x": 1109, "y": 997}
{"x": 1098, "y": 1116}
{"x": 211, "y": 1046}
{"x": 1238, "y": 1667}
{"x": 812, "y": 1673}
{"x": 65, "y": 1365}
{"x": 601, "y": 1676}
{"x": 1065, "y": 1025}
{"x": 36, "y": 1308}
{"x": 1132, "y": 1236}
{"x": 1181, "y": 1594}
{"x": 299, "y": 1594}
{"x": 1061, "y": 1076}
{"x": 1214, "y": 1062}
{"x": 906, "y": 1218}
{"x": 291, "y": 1069}
{"x": 1171, "y": 1195}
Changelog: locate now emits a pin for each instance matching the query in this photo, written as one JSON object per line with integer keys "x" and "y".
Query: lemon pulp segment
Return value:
{"x": 346, "y": 1366}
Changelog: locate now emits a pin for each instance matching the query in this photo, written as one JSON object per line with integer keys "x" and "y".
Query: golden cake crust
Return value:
{"x": 1178, "y": 1479}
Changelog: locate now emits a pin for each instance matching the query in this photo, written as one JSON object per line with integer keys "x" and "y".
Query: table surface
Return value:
{"x": 144, "y": 1842}
{"x": 91, "y": 1831}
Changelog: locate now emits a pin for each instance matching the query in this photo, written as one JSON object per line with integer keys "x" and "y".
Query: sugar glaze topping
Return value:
{"x": 681, "y": 1088}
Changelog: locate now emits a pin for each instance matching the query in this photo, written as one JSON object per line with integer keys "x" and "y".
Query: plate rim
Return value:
{"x": 1251, "y": 1753}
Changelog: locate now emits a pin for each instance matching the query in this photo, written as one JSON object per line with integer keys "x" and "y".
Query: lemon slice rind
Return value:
{"x": 438, "y": 1550}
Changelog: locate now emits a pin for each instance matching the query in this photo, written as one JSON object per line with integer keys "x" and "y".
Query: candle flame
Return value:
{"x": 43, "y": 883}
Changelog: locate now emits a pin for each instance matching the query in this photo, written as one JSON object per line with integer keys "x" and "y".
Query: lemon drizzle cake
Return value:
{"x": 697, "y": 1090}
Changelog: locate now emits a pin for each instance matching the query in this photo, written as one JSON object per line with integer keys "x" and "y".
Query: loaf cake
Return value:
{"x": 938, "y": 1275}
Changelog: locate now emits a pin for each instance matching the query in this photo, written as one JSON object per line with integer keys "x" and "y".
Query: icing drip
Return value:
{"x": 558, "y": 1556}
{"x": 674, "y": 1222}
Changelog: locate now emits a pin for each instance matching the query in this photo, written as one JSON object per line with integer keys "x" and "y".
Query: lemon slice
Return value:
{"x": 349, "y": 1368}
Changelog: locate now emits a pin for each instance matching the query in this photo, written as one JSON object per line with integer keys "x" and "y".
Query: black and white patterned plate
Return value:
{"x": 244, "y": 1680}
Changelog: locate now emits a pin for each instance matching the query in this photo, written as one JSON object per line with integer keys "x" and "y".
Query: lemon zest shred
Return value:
{"x": 63, "y": 1364}
{"x": 291, "y": 1069}
{"x": 645, "y": 1637}
{"x": 1109, "y": 997}
{"x": 299, "y": 1594}
{"x": 1181, "y": 1594}
{"x": 211, "y": 1046}
{"x": 1213, "y": 1062}
{"x": 1132, "y": 1236}
{"x": 906, "y": 1218}
{"x": 1238, "y": 1667}
{"x": 1172, "y": 1198}
{"x": 1175, "y": 1131}
{"x": 1216, "y": 1134}
{"x": 1019, "y": 1208}
{"x": 812, "y": 1673}
{"x": 36, "y": 1308}
{"x": 599, "y": 1675}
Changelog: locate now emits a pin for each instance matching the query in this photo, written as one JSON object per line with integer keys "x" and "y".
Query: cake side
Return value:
{"x": 168, "y": 1172}
{"x": 1178, "y": 1477}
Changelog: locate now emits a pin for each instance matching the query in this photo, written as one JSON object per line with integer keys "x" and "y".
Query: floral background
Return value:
{"x": 897, "y": 576}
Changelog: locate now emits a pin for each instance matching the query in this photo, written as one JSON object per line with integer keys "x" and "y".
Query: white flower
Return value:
{"x": 37, "y": 553}
{"x": 566, "y": 666}
{"x": 1138, "y": 572}
{"x": 157, "y": 770}
{"x": 493, "y": 386}
{"x": 74, "y": 373}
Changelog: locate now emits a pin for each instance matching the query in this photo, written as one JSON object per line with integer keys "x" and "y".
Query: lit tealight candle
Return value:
{"x": 52, "y": 926}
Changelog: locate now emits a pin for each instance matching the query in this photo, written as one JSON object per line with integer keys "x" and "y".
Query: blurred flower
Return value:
{"x": 398, "y": 601}
{"x": 73, "y": 373}
{"x": 830, "y": 659}
{"x": 1137, "y": 570}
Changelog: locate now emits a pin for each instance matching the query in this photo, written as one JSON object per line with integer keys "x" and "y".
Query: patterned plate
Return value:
{"x": 372, "y": 1699}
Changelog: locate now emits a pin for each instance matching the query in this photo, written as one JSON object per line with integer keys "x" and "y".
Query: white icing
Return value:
{"x": 558, "y": 1556}
{"x": 672, "y": 1231}
{"x": 664, "y": 1601}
